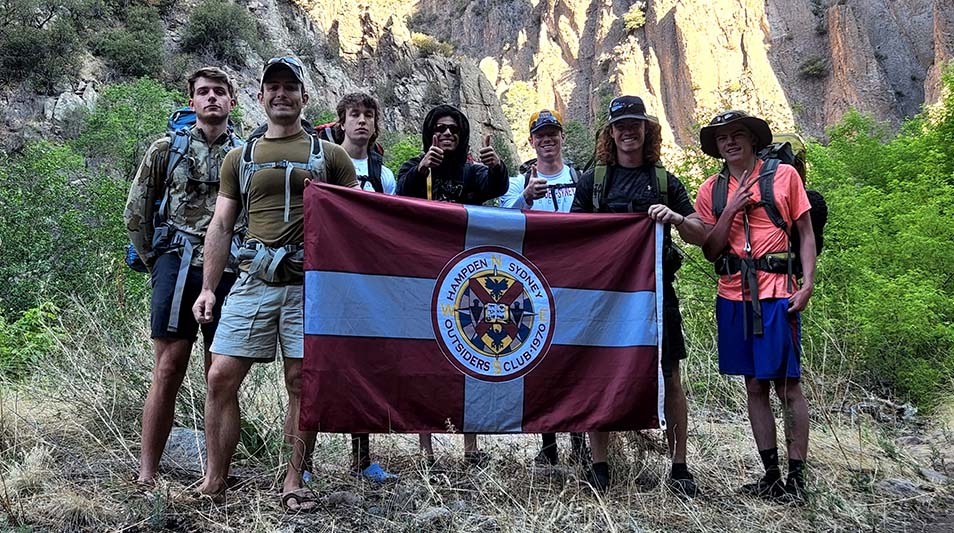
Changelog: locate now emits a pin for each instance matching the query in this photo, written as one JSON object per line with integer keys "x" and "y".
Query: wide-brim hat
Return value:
{"x": 759, "y": 128}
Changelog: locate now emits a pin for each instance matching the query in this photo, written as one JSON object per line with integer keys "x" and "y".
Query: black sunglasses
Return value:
{"x": 453, "y": 128}
{"x": 725, "y": 117}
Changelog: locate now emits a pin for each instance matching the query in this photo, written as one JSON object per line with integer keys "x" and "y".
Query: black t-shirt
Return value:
{"x": 633, "y": 190}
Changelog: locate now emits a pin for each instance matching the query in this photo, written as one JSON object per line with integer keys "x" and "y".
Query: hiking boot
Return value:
{"x": 547, "y": 456}
{"x": 597, "y": 477}
{"x": 766, "y": 488}
{"x": 794, "y": 491}
{"x": 683, "y": 486}
{"x": 477, "y": 458}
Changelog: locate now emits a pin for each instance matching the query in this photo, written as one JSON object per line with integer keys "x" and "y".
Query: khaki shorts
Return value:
{"x": 258, "y": 319}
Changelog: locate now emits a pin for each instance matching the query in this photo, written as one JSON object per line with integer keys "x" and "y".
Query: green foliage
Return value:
{"x": 813, "y": 68}
{"x": 127, "y": 118}
{"x": 25, "y": 341}
{"x": 506, "y": 155}
{"x": 136, "y": 49}
{"x": 317, "y": 114}
{"x": 41, "y": 50}
{"x": 60, "y": 226}
{"x": 222, "y": 29}
{"x": 518, "y": 103}
{"x": 580, "y": 143}
{"x": 885, "y": 289}
{"x": 398, "y": 148}
{"x": 429, "y": 46}
{"x": 635, "y": 17}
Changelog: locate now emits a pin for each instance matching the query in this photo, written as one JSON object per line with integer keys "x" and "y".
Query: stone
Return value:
{"x": 933, "y": 476}
{"x": 185, "y": 450}
{"x": 68, "y": 110}
{"x": 343, "y": 498}
{"x": 433, "y": 517}
{"x": 902, "y": 488}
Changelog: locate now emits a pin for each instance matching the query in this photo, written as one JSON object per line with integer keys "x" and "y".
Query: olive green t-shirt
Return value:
{"x": 266, "y": 192}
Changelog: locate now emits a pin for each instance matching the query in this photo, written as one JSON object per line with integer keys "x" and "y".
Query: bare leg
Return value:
{"x": 222, "y": 418}
{"x": 158, "y": 414}
{"x": 796, "y": 417}
{"x": 677, "y": 417}
{"x": 760, "y": 413}
{"x": 301, "y": 442}
{"x": 427, "y": 445}
{"x": 470, "y": 442}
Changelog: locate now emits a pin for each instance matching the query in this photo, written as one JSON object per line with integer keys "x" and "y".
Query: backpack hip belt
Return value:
{"x": 772, "y": 262}
{"x": 266, "y": 260}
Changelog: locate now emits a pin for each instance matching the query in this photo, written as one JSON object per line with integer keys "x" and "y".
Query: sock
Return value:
{"x": 679, "y": 471}
{"x": 549, "y": 441}
{"x": 770, "y": 462}
{"x": 796, "y": 471}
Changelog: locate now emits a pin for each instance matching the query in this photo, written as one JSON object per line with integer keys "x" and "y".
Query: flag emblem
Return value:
{"x": 492, "y": 313}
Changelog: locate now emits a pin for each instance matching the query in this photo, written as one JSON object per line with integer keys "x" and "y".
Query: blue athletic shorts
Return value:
{"x": 774, "y": 355}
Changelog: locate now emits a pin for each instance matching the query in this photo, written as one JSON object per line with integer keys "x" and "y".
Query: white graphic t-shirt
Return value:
{"x": 559, "y": 197}
{"x": 388, "y": 183}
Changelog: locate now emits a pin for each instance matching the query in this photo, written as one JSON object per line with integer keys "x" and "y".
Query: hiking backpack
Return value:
{"x": 600, "y": 187}
{"x": 787, "y": 149}
{"x": 179, "y": 132}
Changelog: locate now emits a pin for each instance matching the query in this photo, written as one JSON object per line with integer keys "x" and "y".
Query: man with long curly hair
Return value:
{"x": 629, "y": 179}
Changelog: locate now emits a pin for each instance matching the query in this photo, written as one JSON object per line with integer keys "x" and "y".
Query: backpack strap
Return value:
{"x": 662, "y": 183}
{"x": 767, "y": 189}
{"x": 599, "y": 186}
{"x": 574, "y": 175}
{"x": 179, "y": 143}
{"x": 720, "y": 192}
{"x": 248, "y": 167}
{"x": 375, "y": 161}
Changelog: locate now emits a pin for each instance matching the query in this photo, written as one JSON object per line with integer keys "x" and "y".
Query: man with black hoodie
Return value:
{"x": 443, "y": 173}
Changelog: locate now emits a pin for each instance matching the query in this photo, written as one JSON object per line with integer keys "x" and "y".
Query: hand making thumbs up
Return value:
{"x": 433, "y": 157}
{"x": 487, "y": 154}
{"x": 536, "y": 187}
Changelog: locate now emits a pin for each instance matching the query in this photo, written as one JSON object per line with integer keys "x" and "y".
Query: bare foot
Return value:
{"x": 212, "y": 489}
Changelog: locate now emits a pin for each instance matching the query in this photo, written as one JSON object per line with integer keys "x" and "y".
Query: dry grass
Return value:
{"x": 69, "y": 451}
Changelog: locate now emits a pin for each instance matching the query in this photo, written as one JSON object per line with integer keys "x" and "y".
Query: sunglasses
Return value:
{"x": 453, "y": 128}
{"x": 725, "y": 117}
{"x": 628, "y": 107}
{"x": 545, "y": 120}
{"x": 289, "y": 61}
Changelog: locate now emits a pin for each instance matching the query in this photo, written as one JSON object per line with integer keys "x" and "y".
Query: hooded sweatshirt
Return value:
{"x": 456, "y": 180}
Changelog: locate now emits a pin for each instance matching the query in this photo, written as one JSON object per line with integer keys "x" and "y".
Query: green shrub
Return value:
{"x": 127, "y": 118}
{"x": 580, "y": 142}
{"x": 136, "y": 49}
{"x": 813, "y": 68}
{"x": 398, "y": 148}
{"x": 25, "y": 341}
{"x": 635, "y": 17}
{"x": 318, "y": 114}
{"x": 221, "y": 28}
{"x": 43, "y": 55}
{"x": 429, "y": 46}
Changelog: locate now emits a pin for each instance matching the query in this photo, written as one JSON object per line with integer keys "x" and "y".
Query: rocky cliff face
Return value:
{"x": 799, "y": 62}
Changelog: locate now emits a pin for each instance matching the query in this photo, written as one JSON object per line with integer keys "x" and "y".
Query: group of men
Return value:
{"x": 221, "y": 232}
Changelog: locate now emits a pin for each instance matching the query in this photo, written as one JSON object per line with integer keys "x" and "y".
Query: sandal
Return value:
{"x": 305, "y": 501}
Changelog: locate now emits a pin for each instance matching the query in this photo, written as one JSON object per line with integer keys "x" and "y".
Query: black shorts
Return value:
{"x": 673, "y": 341}
{"x": 164, "y": 273}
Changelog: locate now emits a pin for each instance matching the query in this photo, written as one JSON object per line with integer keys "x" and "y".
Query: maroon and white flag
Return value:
{"x": 433, "y": 317}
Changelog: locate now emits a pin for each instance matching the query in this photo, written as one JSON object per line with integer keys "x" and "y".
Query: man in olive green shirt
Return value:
{"x": 266, "y": 180}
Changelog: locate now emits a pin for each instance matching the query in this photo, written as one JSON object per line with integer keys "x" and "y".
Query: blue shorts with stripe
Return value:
{"x": 773, "y": 355}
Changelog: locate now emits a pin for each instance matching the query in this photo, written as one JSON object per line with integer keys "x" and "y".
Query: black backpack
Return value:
{"x": 773, "y": 155}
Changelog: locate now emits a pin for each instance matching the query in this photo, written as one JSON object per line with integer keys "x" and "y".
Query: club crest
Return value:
{"x": 492, "y": 313}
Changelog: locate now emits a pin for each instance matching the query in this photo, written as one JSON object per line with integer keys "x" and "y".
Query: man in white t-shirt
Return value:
{"x": 549, "y": 184}
{"x": 358, "y": 116}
